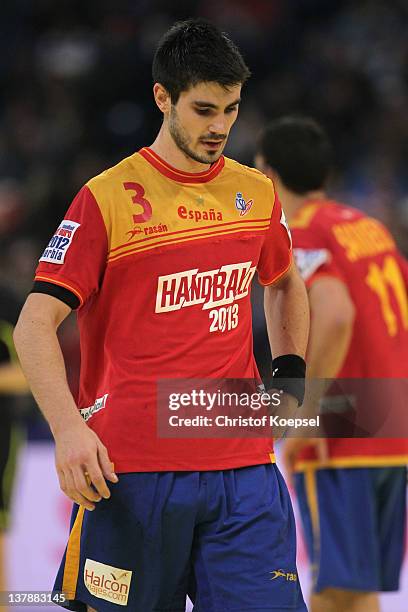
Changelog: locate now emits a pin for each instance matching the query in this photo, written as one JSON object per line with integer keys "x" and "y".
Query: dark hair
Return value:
{"x": 298, "y": 149}
{"x": 195, "y": 51}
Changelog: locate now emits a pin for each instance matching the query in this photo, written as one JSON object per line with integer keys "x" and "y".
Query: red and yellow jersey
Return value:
{"x": 160, "y": 263}
{"x": 336, "y": 240}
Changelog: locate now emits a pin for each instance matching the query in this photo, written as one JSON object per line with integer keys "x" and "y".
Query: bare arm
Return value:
{"x": 287, "y": 315}
{"x": 287, "y": 322}
{"x": 79, "y": 452}
{"x": 332, "y": 313}
{"x": 331, "y": 327}
{"x": 37, "y": 345}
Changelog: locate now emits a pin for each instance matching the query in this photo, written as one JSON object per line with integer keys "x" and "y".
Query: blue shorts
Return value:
{"x": 227, "y": 538}
{"x": 354, "y": 526}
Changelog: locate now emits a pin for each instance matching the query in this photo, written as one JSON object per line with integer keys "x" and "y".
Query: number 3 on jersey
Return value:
{"x": 224, "y": 319}
{"x": 138, "y": 199}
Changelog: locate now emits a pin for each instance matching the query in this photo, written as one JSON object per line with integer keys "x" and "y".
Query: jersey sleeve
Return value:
{"x": 276, "y": 252}
{"x": 73, "y": 263}
{"x": 315, "y": 254}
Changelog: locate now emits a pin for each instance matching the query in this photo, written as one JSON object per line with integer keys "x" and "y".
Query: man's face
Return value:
{"x": 201, "y": 120}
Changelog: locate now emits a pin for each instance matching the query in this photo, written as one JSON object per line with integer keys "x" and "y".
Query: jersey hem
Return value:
{"x": 62, "y": 283}
{"x": 353, "y": 462}
{"x": 278, "y": 276}
{"x": 60, "y": 293}
{"x": 123, "y": 466}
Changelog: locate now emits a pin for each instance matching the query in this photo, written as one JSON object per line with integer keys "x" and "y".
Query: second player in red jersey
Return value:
{"x": 335, "y": 240}
{"x": 350, "y": 489}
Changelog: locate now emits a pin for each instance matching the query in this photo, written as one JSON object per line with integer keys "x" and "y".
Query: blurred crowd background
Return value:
{"x": 76, "y": 97}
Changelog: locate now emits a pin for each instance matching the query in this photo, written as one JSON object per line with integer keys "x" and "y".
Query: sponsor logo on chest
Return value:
{"x": 212, "y": 288}
{"x": 204, "y": 214}
{"x": 150, "y": 230}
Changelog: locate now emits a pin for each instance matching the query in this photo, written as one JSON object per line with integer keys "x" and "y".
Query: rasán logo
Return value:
{"x": 290, "y": 576}
{"x": 161, "y": 228}
{"x": 242, "y": 205}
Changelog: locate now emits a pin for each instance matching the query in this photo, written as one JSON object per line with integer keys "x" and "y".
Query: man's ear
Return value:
{"x": 262, "y": 166}
{"x": 162, "y": 98}
{"x": 259, "y": 162}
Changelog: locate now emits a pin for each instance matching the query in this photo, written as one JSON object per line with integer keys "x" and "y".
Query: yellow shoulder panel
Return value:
{"x": 305, "y": 215}
{"x": 143, "y": 209}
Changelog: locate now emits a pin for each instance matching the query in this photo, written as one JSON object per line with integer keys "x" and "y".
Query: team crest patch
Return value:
{"x": 107, "y": 582}
{"x": 241, "y": 205}
{"x": 60, "y": 242}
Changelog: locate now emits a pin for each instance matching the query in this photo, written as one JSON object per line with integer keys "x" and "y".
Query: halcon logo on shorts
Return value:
{"x": 211, "y": 289}
{"x": 60, "y": 242}
{"x": 98, "y": 405}
{"x": 107, "y": 582}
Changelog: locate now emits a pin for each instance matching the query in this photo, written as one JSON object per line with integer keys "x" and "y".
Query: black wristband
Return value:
{"x": 288, "y": 375}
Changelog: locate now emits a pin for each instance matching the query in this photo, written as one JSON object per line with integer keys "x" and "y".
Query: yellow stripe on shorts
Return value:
{"x": 71, "y": 569}
{"x": 313, "y": 503}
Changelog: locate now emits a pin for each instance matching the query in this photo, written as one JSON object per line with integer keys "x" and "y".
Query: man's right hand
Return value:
{"x": 81, "y": 459}
{"x": 82, "y": 464}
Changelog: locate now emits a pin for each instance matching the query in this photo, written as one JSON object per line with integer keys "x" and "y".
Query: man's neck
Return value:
{"x": 167, "y": 149}
{"x": 292, "y": 202}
